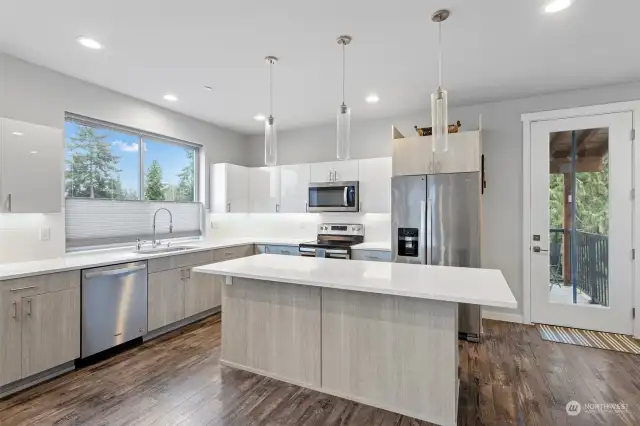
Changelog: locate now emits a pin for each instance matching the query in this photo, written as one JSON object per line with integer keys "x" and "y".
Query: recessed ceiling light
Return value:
{"x": 90, "y": 43}
{"x": 33, "y": 152}
{"x": 18, "y": 134}
{"x": 171, "y": 98}
{"x": 259, "y": 117}
{"x": 372, "y": 98}
{"x": 557, "y": 5}
{"x": 208, "y": 88}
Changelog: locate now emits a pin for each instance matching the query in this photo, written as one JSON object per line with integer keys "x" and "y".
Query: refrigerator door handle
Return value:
{"x": 423, "y": 231}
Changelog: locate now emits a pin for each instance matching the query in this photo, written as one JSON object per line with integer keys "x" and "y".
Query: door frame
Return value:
{"x": 527, "y": 120}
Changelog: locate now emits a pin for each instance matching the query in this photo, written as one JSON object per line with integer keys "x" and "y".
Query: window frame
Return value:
{"x": 141, "y": 135}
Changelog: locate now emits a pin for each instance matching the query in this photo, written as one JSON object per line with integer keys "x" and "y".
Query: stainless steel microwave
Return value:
{"x": 334, "y": 197}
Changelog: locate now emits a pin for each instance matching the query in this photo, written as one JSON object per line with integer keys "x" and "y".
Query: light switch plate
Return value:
{"x": 45, "y": 234}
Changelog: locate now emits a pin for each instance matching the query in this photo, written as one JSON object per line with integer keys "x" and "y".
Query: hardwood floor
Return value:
{"x": 513, "y": 377}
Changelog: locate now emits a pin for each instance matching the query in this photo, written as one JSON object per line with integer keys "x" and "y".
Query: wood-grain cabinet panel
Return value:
{"x": 273, "y": 327}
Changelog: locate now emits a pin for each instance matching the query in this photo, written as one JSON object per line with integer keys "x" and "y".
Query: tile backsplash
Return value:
{"x": 20, "y": 237}
{"x": 293, "y": 225}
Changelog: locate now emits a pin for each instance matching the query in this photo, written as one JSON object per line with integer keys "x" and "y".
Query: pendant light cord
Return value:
{"x": 343, "y": 70}
{"x": 440, "y": 55}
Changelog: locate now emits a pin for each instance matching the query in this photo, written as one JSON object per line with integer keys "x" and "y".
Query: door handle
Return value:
{"x": 23, "y": 288}
{"x": 123, "y": 271}
{"x": 537, "y": 249}
{"x": 15, "y": 310}
{"x": 344, "y": 196}
{"x": 28, "y": 307}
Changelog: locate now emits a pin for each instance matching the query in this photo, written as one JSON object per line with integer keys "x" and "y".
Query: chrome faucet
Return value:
{"x": 155, "y": 243}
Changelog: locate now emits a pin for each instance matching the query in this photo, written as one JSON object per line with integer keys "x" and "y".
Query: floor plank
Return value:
{"x": 512, "y": 378}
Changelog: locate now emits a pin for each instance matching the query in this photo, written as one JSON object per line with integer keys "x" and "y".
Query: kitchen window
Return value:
{"x": 116, "y": 178}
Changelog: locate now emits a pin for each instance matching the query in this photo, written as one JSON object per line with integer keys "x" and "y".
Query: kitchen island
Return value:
{"x": 383, "y": 334}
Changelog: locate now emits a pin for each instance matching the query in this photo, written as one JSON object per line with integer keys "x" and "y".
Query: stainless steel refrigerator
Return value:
{"x": 436, "y": 221}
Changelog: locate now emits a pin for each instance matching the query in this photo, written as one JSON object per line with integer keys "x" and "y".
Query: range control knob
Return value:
{"x": 353, "y": 228}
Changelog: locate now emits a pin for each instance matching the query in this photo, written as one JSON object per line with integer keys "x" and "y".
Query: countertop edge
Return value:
{"x": 310, "y": 283}
{"x": 129, "y": 257}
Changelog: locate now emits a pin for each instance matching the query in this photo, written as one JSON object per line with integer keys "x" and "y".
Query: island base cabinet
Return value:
{"x": 273, "y": 329}
{"x": 50, "y": 331}
{"x": 166, "y": 298}
{"x": 396, "y": 353}
{"x": 202, "y": 292}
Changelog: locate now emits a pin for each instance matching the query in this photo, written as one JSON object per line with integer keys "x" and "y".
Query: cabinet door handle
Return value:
{"x": 438, "y": 167}
{"x": 28, "y": 307}
{"x": 9, "y": 203}
{"x": 335, "y": 176}
{"x": 277, "y": 208}
{"x": 23, "y": 288}
{"x": 306, "y": 207}
{"x": 229, "y": 207}
{"x": 15, "y": 310}
{"x": 330, "y": 176}
{"x": 286, "y": 252}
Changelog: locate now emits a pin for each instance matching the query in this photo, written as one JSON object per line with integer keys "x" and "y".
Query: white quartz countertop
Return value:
{"x": 97, "y": 258}
{"x": 485, "y": 287}
{"x": 373, "y": 245}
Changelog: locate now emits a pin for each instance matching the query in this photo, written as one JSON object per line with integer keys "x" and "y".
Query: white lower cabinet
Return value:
{"x": 39, "y": 324}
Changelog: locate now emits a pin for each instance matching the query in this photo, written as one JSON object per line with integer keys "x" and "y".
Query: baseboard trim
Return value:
{"x": 36, "y": 379}
{"x": 502, "y": 316}
{"x": 176, "y": 325}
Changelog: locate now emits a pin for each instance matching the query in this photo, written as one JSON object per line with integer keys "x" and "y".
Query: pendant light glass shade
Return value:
{"x": 270, "y": 133}
{"x": 344, "y": 133}
{"x": 439, "y": 120}
{"x": 270, "y": 142}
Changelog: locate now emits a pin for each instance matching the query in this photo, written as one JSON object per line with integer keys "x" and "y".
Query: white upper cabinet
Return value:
{"x": 463, "y": 154}
{"x": 375, "y": 185}
{"x": 31, "y": 168}
{"x": 412, "y": 156}
{"x": 334, "y": 171}
{"x": 229, "y": 188}
{"x": 415, "y": 156}
{"x": 264, "y": 189}
{"x": 294, "y": 188}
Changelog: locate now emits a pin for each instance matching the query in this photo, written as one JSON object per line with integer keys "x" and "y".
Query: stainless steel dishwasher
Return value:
{"x": 114, "y": 306}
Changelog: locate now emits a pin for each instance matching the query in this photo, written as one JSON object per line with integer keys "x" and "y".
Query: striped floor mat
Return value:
{"x": 592, "y": 339}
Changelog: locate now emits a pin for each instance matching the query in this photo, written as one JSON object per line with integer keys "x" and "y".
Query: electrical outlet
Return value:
{"x": 45, "y": 234}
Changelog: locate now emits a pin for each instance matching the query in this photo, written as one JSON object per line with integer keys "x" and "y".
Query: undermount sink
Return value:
{"x": 163, "y": 250}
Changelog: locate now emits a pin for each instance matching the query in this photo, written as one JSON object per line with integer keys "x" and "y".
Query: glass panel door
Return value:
{"x": 581, "y": 218}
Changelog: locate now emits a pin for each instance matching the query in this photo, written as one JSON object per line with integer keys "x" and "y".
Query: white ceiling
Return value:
{"x": 494, "y": 49}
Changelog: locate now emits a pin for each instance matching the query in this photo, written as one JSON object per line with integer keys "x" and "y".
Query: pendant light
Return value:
{"x": 439, "y": 98}
{"x": 344, "y": 112}
{"x": 270, "y": 134}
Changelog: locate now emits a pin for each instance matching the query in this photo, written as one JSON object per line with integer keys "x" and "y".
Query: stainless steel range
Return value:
{"x": 334, "y": 241}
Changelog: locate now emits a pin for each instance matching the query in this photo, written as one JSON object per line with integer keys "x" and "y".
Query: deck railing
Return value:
{"x": 592, "y": 263}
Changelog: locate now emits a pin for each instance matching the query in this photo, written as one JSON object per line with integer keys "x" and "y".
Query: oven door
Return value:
{"x": 334, "y": 197}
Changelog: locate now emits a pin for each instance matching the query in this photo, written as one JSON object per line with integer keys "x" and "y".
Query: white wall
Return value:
{"x": 38, "y": 95}
{"x": 502, "y": 139}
